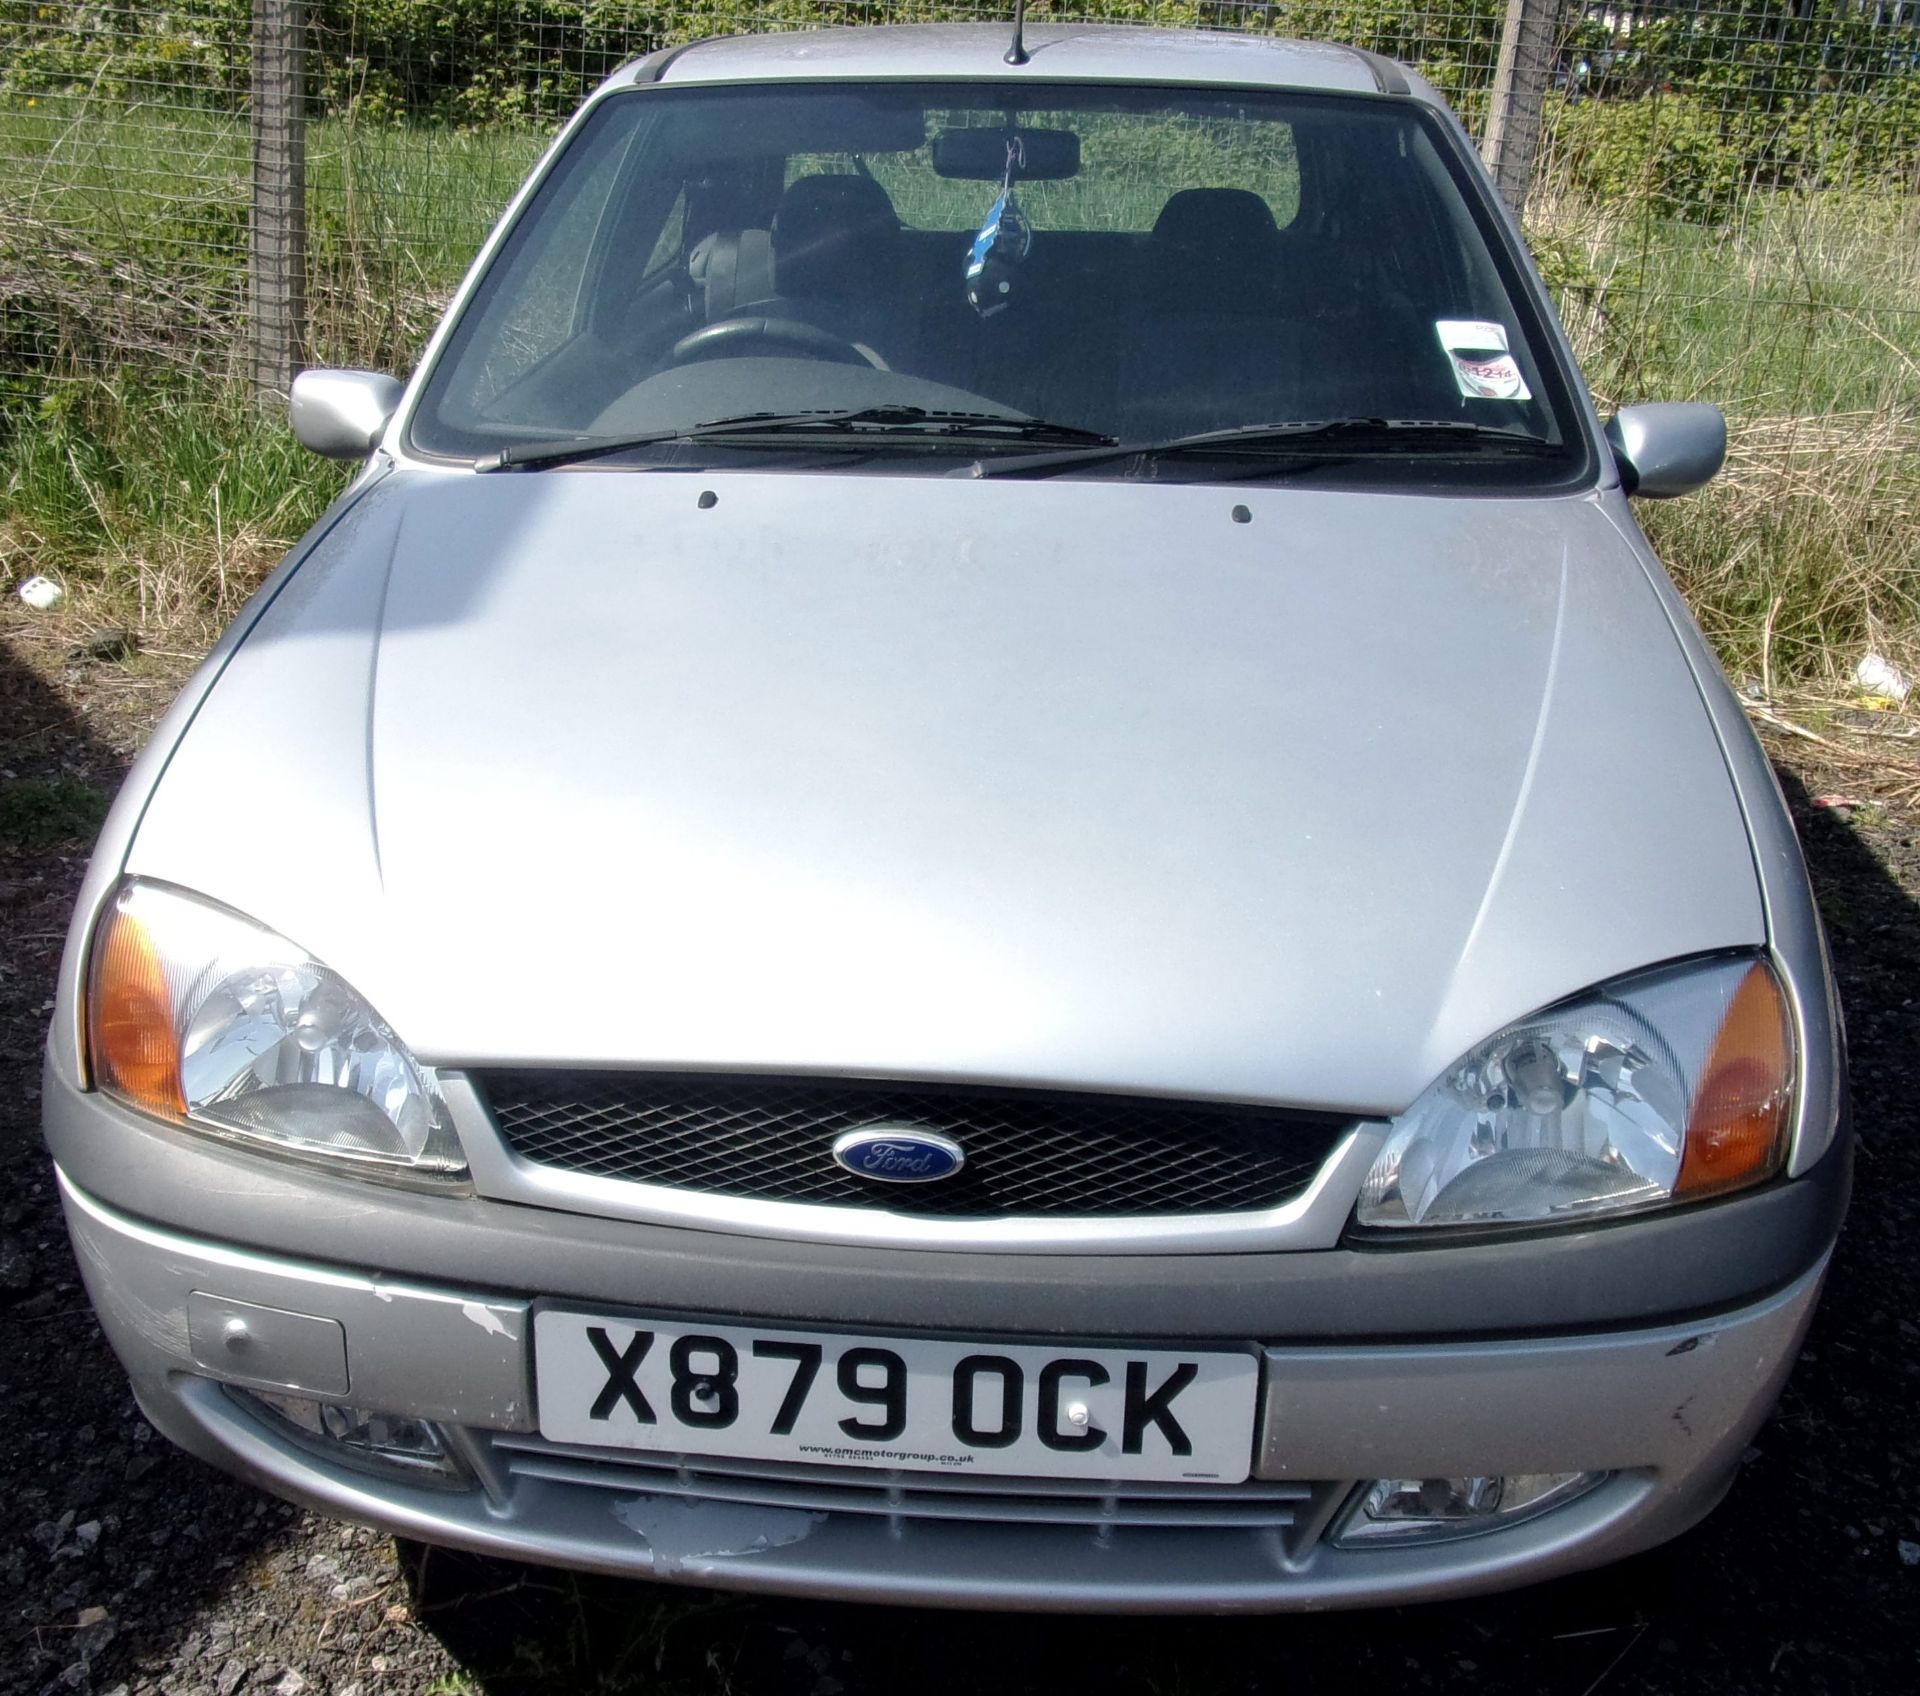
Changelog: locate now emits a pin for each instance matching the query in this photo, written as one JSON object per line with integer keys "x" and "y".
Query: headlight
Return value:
{"x": 202, "y": 1017}
{"x": 1670, "y": 1086}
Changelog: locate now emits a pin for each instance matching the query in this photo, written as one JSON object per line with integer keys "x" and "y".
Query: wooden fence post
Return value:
{"x": 1519, "y": 93}
{"x": 277, "y": 267}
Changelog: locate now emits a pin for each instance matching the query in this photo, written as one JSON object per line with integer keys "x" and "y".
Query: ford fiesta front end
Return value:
{"x": 982, "y": 868}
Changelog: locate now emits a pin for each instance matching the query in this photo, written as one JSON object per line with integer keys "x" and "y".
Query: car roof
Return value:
{"x": 1058, "y": 52}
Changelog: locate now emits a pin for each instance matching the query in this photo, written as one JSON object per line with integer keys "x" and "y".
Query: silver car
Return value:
{"x": 983, "y": 867}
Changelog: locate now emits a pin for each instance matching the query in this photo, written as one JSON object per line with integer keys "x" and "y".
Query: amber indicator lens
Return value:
{"x": 1737, "y": 1133}
{"x": 130, "y": 1027}
{"x": 199, "y": 1016}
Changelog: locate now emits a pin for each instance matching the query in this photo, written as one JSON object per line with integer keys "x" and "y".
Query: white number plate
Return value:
{"x": 1035, "y": 1411}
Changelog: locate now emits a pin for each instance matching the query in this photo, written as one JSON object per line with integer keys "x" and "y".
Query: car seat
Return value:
{"x": 1217, "y": 344}
{"x": 835, "y": 247}
{"x": 729, "y": 270}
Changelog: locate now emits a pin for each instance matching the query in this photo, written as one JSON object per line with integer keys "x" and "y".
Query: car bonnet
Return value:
{"x": 1080, "y": 783}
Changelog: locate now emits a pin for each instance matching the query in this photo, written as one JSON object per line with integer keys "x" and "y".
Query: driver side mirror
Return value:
{"x": 343, "y": 414}
{"x": 1668, "y": 448}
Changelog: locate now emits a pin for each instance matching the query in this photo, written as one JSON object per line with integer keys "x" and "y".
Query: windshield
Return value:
{"x": 957, "y": 270}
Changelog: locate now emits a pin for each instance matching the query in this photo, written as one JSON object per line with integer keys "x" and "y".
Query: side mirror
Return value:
{"x": 343, "y": 414}
{"x": 1668, "y": 448}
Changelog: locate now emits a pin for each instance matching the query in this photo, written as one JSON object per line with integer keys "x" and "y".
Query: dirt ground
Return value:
{"x": 126, "y": 1567}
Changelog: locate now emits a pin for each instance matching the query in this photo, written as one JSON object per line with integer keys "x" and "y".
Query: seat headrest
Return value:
{"x": 829, "y": 234}
{"x": 1217, "y": 219}
{"x": 731, "y": 268}
{"x": 1216, "y": 249}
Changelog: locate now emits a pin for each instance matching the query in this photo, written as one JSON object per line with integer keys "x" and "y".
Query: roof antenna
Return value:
{"x": 1017, "y": 54}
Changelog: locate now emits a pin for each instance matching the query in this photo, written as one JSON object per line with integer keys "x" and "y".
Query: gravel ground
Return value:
{"x": 126, "y": 1567}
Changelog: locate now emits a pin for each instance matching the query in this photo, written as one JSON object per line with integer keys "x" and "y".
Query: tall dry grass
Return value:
{"x": 1801, "y": 319}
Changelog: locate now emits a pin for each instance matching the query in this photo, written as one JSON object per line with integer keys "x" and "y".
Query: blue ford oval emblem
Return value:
{"x": 898, "y": 1154}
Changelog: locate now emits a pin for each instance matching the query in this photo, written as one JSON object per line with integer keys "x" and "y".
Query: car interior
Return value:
{"x": 792, "y": 279}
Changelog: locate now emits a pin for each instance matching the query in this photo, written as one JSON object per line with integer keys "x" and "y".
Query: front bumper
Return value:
{"x": 1665, "y": 1408}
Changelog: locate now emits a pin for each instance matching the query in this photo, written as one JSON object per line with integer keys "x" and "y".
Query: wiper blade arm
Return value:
{"x": 916, "y": 420}
{"x": 855, "y": 421}
{"x": 1399, "y": 434}
{"x": 538, "y": 456}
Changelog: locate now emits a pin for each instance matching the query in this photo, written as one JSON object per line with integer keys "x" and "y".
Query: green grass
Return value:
{"x": 1810, "y": 303}
{"x": 44, "y": 812}
{"x": 158, "y": 483}
{"x": 397, "y": 218}
{"x": 166, "y": 499}
{"x": 127, "y": 229}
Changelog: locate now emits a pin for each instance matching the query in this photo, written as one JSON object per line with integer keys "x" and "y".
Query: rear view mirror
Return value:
{"x": 980, "y": 155}
{"x": 343, "y": 414}
{"x": 1668, "y": 448}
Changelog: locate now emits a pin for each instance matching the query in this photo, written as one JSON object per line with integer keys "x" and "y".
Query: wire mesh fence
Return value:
{"x": 1725, "y": 194}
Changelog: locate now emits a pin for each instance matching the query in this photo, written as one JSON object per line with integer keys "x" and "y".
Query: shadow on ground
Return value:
{"x": 1793, "y": 1584}
{"x": 113, "y": 1546}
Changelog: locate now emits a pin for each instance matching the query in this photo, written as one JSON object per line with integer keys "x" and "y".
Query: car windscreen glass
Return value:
{"x": 1146, "y": 264}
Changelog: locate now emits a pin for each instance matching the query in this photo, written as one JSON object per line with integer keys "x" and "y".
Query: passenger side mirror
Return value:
{"x": 1667, "y": 448}
{"x": 343, "y": 414}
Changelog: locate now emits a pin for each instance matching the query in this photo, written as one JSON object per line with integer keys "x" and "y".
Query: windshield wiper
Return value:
{"x": 916, "y": 420}
{"x": 1312, "y": 437}
{"x": 862, "y": 424}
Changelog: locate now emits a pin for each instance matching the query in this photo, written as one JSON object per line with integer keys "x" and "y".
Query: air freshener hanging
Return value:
{"x": 1001, "y": 243}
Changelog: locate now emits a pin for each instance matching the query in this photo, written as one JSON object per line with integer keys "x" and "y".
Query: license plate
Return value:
{"x": 910, "y": 1403}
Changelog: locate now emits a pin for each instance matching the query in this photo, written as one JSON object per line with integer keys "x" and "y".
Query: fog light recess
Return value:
{"x": 1431, "y": 1510}
{"x": 358, "y": 1436}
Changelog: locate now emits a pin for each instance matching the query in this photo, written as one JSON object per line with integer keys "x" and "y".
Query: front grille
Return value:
{"x": 1029, "y": 1152}
{"x": 1255, "y": 1505}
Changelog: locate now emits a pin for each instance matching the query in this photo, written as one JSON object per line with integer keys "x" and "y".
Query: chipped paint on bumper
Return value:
{"x": 1668, "y": 1410}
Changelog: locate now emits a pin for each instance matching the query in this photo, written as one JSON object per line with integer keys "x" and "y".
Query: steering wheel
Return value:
{"x": 735, "y": 335}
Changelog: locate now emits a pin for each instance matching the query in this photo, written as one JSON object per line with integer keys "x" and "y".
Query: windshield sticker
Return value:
{"x": 1482, "y": 366}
